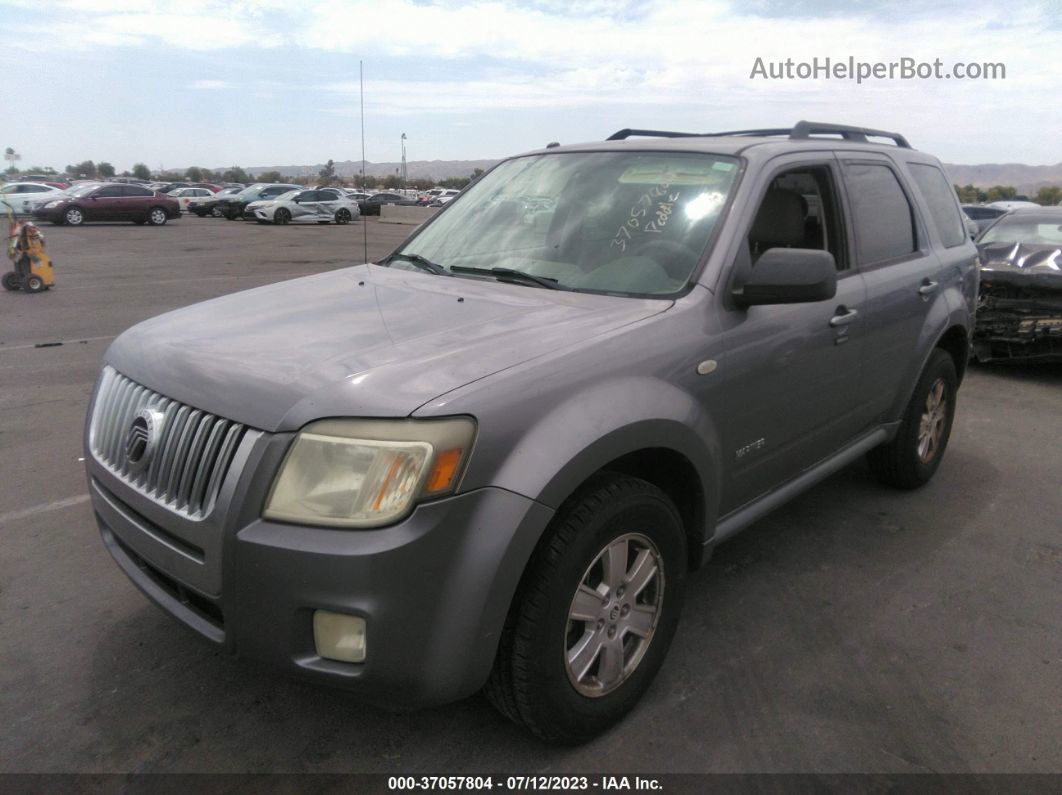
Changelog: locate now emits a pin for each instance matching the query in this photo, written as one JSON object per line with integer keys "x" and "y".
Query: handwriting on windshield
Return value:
{"x": 649, "y": 215}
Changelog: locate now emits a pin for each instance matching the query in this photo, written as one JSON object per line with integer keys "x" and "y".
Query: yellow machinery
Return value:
{"x": 33, "y": 267}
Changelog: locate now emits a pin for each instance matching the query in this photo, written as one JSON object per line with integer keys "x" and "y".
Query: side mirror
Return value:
{"x": 788, "y": 276}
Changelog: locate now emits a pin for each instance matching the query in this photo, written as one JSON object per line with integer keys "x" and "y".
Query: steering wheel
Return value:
{"x": 674, "y": 257}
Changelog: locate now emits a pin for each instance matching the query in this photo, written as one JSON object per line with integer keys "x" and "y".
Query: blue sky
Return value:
{"x": 274, "y": 82}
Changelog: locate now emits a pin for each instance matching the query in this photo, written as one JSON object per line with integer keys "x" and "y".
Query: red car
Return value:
{"x": 109, "y": 202}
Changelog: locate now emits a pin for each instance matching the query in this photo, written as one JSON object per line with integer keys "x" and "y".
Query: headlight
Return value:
{"x": 367, "y": 473}
{"x": 55, "y": 203}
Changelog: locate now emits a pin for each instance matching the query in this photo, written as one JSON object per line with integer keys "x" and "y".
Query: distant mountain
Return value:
{"x": 417, "y": 169}
{"x": 1027, "y": 179}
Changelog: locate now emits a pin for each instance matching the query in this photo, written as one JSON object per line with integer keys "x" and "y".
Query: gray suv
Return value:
{"x": 491, "y": 460}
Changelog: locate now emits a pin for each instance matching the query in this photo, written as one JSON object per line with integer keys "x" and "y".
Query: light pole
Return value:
{"x": 405, "y": 175}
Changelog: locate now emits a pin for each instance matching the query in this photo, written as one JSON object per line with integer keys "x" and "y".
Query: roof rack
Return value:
{"x": 801, "y": 132}
{"x": 627, "y": 132}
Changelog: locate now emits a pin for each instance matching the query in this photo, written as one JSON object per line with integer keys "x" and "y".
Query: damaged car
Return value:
{"x": 1019, "y": 314}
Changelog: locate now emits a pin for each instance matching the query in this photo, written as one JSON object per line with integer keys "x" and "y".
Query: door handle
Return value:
{"x": 927, "y": 287}
{"x": 843, "y": 318}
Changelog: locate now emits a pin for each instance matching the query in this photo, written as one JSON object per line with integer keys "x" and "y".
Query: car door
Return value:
{"x": 105, "y": 204}
{"x": 901, "y": 272}
{"x": 792, "y": 371}
{"x": 328, "y": 203}
{"x": 304, "y": 206}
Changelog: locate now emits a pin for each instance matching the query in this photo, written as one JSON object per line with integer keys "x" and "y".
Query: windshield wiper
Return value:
{"x": 511, "y": 274}
{"x": 421, "y": 262}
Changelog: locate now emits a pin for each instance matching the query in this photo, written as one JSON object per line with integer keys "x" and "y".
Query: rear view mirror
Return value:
{"x": 788, "y": 276}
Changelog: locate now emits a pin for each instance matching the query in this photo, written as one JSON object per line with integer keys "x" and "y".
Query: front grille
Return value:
{"x": 190, "y": 457}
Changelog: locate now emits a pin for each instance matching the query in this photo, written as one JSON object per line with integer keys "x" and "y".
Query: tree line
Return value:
{"x": 88, "y": 169}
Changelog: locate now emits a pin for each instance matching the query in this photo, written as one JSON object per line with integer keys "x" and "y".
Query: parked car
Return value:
{"x": 232, "y": 206}
{"x": 211, "y": 205}
{"x": 492, "y": 459}
{"x": 210, "y": 186}
{"x": 185, "y": 196}
{"x": 320, "y": 206}
{"x": 109, "y": 202}
{"x": 1013, "y": 204}
{"x": 982, "y": 215}
{"x": 372, "y": 205}
{"x": 46, "y": 179}
{"x": 23, "y": 197}
{"x": 444, "y": 198}
{"x": 170, "y": 187}
{"x": 1019, "y": 314}
{"x": 356, "y": 195}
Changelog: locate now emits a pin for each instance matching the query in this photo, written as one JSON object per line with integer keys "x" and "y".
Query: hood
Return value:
{"x": 366, "y": 341}
{"x": 1022, "y": 264}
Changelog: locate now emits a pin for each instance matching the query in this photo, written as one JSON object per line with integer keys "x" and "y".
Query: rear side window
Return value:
{"x": 136, "y": 190}
{"x": 881, "y": 213}
{"x": 941, "y": 200}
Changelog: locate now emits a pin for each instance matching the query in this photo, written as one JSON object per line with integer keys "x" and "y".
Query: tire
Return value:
{"x": 157, "y": 216}
{"x": 540, "y": 681}
{"x": 215, "y": 212}
{"x": 73, "y": 216}
{"x": 343, "y": 216}
{"x": 281, "y": 216}
{"x": 11, "y": 281}
{"x": 911, "y": 458}
{"x": 34, "y": 284}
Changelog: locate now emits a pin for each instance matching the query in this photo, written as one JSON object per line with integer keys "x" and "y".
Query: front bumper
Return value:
{"x": 434, "y": 589}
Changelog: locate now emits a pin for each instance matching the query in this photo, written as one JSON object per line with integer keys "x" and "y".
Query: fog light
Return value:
{"x": 338, "y": 636}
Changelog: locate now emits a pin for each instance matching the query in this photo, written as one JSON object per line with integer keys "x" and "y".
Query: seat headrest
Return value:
{"x": 780, "y": 220}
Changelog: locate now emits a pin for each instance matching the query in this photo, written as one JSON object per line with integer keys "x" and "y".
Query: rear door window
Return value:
{"x": 881, "y": 213}
{"x": 940, "y": 197}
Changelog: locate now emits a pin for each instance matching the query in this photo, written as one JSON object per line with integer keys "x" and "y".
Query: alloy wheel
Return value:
{"x": 613, "y": 615}
{"x": 934, "y": 418}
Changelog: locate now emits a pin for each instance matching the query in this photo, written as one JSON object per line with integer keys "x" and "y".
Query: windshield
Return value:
{"x": 82, "y": 190}
{"x": 616, "y": 222}
{"x": 1044, "y": 230}
{"x": 286, "y": 197}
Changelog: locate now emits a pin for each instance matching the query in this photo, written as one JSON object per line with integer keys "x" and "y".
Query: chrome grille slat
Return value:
{"x": 192, "y": 454}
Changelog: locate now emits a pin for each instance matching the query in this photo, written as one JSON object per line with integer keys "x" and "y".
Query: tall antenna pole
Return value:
{"x": 364, "y": 222}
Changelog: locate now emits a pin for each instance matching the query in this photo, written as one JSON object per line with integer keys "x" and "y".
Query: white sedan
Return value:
{"x": 185, "y": 195}
{"x": 23, "y": 197}
{"x": 319, "y": 206}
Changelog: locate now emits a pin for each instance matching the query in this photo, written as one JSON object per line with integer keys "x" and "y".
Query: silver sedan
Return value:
{"x": 320, "y": 206}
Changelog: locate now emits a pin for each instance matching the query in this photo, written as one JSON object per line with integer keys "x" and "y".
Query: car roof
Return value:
{"x": 1036, "y": 211}
{"x": 767, "y": 143}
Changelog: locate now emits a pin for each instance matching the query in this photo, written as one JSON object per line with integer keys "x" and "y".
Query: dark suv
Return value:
{"x": 493, "y": 458}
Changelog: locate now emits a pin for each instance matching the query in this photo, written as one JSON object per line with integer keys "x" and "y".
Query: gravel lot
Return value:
{"x": 855, "y": 630}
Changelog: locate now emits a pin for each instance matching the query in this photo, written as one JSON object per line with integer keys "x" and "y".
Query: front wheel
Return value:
{"x": 595, "y": 611}
{"x": 33, "y": 284}
{"x": 343, "y": 216}
{"x": 11, "y": 281}
{"x": 215, "y": 212}
{"x": 281, "y": 216}
{"x": 911, "y": 458}
{"x": 156, "y": 216}
{"x": 73, "y": 216}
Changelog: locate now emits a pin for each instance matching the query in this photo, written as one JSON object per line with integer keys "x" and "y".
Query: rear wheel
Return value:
{"x": 595, "y": 611}
{"x": 281, "y": 216}
{"x": 911, "y": 458}
{"x": 342, "y": 216}
{"x": 11, "y": 281}
{"x": 156, "y": 216}
{"x": 73, "y": 216}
